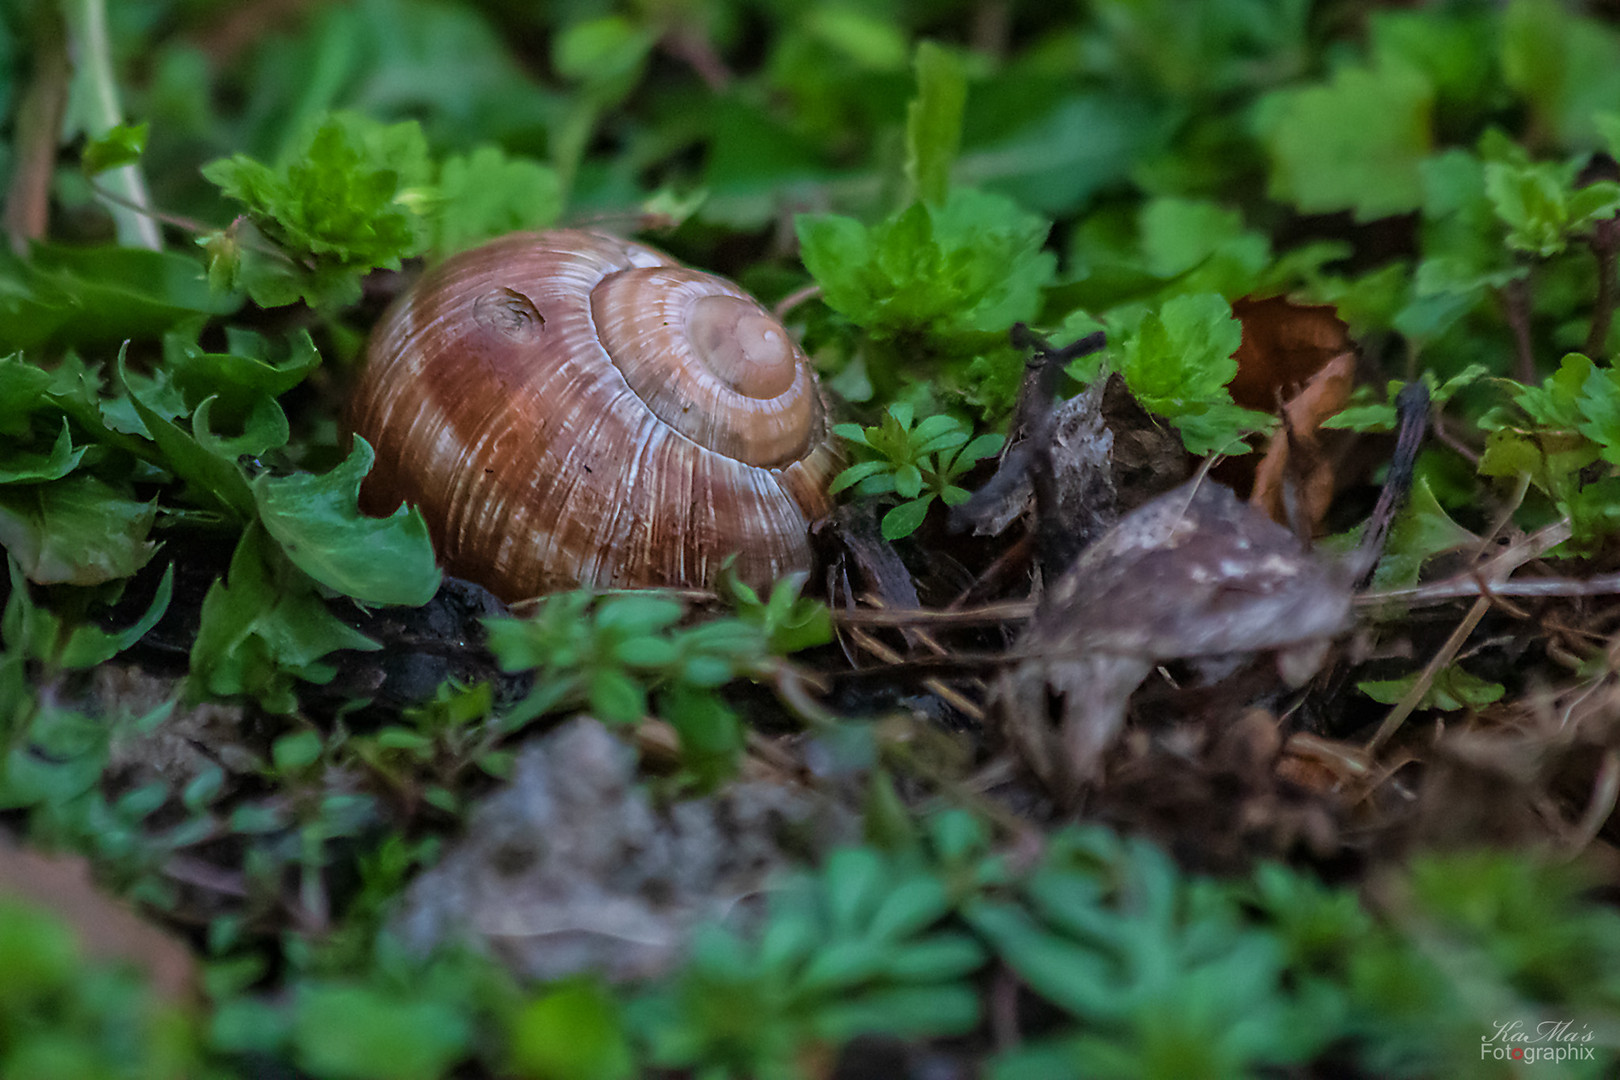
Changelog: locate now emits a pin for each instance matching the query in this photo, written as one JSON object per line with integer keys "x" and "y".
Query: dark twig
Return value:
{"x": 1412, "y": 412}
{"x": 1032, "y": 456}
{"x": 1605, "y": 245}
{"x": 1516, "y": 299}
{"x": 988, "y": 615}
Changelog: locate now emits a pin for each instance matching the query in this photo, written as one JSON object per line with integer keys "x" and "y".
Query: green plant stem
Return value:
{"x": 91, "y": 50}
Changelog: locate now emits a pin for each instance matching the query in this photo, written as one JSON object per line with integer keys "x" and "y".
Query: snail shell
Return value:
{"x": 570, "y": 408}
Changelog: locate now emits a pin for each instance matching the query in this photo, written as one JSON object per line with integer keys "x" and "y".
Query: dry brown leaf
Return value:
{"x": 1294, "y": 481}
{"x": 105, "y": 927}
{"x": 1284, "y": 344}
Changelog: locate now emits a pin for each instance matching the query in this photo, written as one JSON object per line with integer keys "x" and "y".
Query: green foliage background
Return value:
{"x": 1443, "y": 175}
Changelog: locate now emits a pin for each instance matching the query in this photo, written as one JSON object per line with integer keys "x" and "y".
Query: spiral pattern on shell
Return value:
{"x": 573, "y": 408}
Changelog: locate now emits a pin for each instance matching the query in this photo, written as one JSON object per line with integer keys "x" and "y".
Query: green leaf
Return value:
{"x": 1178, "y": 363}
{"x": 1421, "y": 531}
{"x": 263, "y": 626}
{"x": 210, "y": 477}
{"x": 573, "y": 1031}
{"x": 29, "y": 466}
{"x": 88, "y": 646}
{"x": 712, "y": 736}
{"x": 908, "y": 481}
{"x": 66, "y": 295}
{"x": 1541, "y": 207}
{"x": 349, "y": 199}
{"x": 317, "y": 522}
{"x": 906, "y": 518}
{"x": 856, "y": 473}
{"x": 244, "y": 382}
{"x": 607, "y": 54}
{"x": 972, "y": 264}
{"x": 616, "y": 697}
{"x": 352, "y": 1032}
{"x": 77, "y": 531}
{"x": 1450, "y": 690}
{"x": 934, "y": 123}
{"x": 1354, "y": 143}
{"x": 646, "y": 613}
{"x": 1181, "y": 236}
{"x": 486, "y": 194}
{"x": 122, "y": 144}
{"x": 296, "y": 751}
{"x": 1565, "y": 65}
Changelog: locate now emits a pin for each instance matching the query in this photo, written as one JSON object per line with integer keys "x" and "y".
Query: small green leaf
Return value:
{"x": 906, "y": 518}
{"x": 573, "y": 1031}
{"x": 296, "y": 751}
{"x": 616, "y": 697}
{"x": 486, "y": 194}
{"x": 264, "y": 626}
{"x": 856, "y": 473}
{"x": 91, "y": 645}
{"x": 119, "y": 145}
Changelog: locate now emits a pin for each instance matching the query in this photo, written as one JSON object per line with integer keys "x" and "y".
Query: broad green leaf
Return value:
{"x": 572, "y": 1031}
{"x": 353, "y": 1032}
{"x": 77, "y": 531}
{"x": 317, "y": 522}
{"x": 1566, "y": 66}
{"x": 1354, "y": 143}
{"x": 99, "y": 295}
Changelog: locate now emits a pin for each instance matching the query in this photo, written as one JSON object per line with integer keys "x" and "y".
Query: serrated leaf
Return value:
{"x": 263, "y": 626}
{"x": 88, "y": 645}
{"x": 1353, "y": 143}
{"x": 485, "y": 194}
{"x": 77, "y": 531}
{"x": 317, "y": 522}
{"x": 29, "y": 466}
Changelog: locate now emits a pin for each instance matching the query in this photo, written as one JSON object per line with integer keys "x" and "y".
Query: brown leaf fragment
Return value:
{"x": 105, "y": 927}
{"x": 1284, "y": 344}
{"x": 1294, "y": 481}
{"x": 1194, "y": 573}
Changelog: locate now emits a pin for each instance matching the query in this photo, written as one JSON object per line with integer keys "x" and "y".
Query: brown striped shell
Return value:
{"x": 572, "y": 408}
